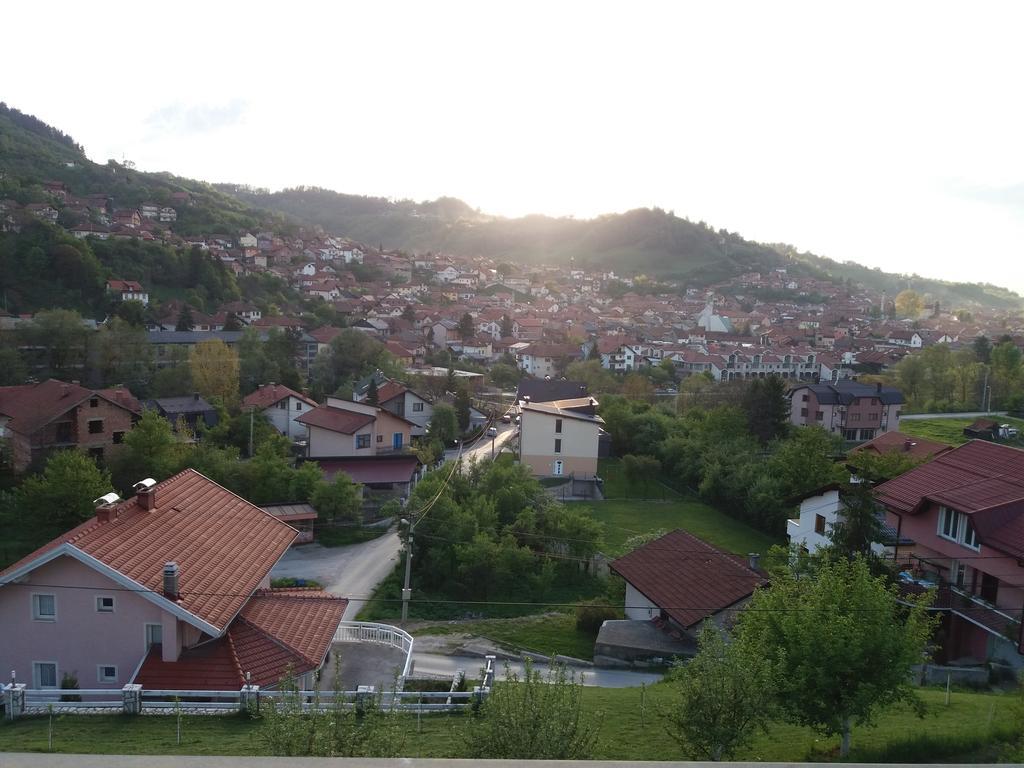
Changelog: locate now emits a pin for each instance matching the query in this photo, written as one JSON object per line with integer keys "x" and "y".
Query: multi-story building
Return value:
{"x": 560, "y": 437}
{"x": 341, "y": 428}
{"x": 852, "y": 410}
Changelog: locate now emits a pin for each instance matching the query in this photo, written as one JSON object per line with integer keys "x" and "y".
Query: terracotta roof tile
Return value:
{"x": 269, "y": 394}
{"x": 687, "y": 577}
{"x": 336, "y": 419}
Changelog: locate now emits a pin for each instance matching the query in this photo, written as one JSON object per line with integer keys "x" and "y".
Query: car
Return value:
{"x": 506, "y": 419}
{"x": 492, "y": 431}
{"x": 519, "y": 419}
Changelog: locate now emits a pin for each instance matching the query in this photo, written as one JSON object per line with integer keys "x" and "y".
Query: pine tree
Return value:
{"x": 185, "y": 321}
{"x": 372, "y": 395}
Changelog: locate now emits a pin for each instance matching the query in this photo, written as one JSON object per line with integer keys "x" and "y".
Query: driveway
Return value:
{"x": 481, "y": 449}
{"x": 353, "y": 571}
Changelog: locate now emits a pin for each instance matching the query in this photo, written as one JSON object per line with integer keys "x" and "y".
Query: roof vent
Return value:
{"x": 171, "y": 577}
{"x": 754, "y": 561}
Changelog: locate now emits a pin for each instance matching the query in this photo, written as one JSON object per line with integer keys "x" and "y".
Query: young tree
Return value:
{"x": 185, "y": 321}
{"x": 409, "y": 313}
{"x": 62, "y": 496}
{"x": 338, "y": 500}
{"x": 640, "y": 469}
{"x": 215, "y": 370}
{"x": 859, "y": 526}
{"x": 878, "y": 467}
{"x": 721, "y": 697}
{"x": 909, "y": 304}
{"x": 150, "y": 449}
{"x": 372, "y": 395}
{"x": 536, "y": 717}
{"x": 767, "y": 409}
{"x": 982, "y": 348}
{"x": 232, "y": 323}
{"x": 506, "y": 327}
{"x": 444, "y": 425}
{"x": 462, "y": 408}
{"x": 840, "y": 645}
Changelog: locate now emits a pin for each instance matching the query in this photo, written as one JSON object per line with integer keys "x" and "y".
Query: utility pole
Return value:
{"x": 407, "y": 589}
{"x": 986, "y": 397}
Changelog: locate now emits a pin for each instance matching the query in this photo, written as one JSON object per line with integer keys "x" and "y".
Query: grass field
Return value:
{"x": 950, "y": 431}
{"x": 618, "y": 486}
{"x": 548, "y": 634}
{"x": 623, "y": 519}
{"x": 968, "y": 730}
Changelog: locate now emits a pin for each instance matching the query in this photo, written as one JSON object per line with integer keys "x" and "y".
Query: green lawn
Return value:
{"x": 963, "y": 731}
{"x": 950, "y": 431}
{"x": 617, "y": 486}
{"x": 623, "y": 519}
{"x": 548, "y": 634}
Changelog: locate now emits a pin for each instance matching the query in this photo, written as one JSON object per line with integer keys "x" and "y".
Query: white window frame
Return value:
{"x": 36, "y": 614}
{"x": 37, "y": 678}
{"x": 113, "y": 604}
{"x": 559, "y": 467}
{"x": 100, "y": 678}
{"x": 944, "y": 513}
{"x": 968, "y": 527}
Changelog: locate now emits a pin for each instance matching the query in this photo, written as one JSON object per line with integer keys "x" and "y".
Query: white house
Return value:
{"x": 819, "y": 513}
{"x": 282, "y": 406}
{"x": 248, "y": 241}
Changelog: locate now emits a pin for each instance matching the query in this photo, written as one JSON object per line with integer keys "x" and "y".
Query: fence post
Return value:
{"x": 248, "y": 698}
{"x": 131, "y": 699}
{"x": 14, "y": 700}
{"x": 363, "y": 693}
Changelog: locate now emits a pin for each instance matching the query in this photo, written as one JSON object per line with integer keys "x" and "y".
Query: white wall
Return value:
{"x": 638, "y": 607}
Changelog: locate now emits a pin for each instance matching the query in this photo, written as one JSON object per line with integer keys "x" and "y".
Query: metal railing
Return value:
{"x": 384, "y": 634}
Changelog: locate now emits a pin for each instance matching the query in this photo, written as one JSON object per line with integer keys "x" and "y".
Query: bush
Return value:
{"x": 591, "y": 615}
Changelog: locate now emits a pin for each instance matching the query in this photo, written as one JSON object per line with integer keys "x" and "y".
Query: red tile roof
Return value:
{"x": 686, "y": 577}
{"x": 389, "y": 390}
{"x": 269, "y": 394}
{"x": 336, "y": 419}
{"x": 278, "y": 632}
{"x": 383, "y": 469}
{"x": 223, "y": 545}
{"x": 32, "y": 406}
{"x": 898, "y": 442}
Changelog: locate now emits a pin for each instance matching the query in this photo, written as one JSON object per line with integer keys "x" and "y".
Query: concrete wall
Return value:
{"x": 284, "y": 419}
{"x": 81, "y": 638}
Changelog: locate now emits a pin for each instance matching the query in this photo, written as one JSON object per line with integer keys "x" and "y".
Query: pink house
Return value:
{"x": 964, "y": 512}
{"x": 169, "y": 589}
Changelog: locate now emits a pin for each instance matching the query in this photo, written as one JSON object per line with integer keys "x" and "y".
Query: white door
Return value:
{"x": 558, "y": 467}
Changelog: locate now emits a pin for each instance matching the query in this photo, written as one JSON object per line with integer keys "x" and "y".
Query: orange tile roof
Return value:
{"x": 336, "y": 419}
{"x": 268, "y": 394}
{"x": 224, "y": 546}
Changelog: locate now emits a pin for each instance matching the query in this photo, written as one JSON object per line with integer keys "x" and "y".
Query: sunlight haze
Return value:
{"x": 886, "y": 134}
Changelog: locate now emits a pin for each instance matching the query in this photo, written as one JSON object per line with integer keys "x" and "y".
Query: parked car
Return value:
{"x": 506, "y": 419}
{"x": 492, "y": 431}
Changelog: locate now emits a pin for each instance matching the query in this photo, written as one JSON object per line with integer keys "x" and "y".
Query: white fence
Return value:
{"x": 133, "y": 699}
{"x": 384, "y": 634}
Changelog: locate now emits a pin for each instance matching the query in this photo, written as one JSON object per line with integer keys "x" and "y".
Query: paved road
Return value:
{"x": 438, "y": 664}
{"x": 971, "y": 415}
{"x": 351, "y": 571}
{"x": 480, "y": 449}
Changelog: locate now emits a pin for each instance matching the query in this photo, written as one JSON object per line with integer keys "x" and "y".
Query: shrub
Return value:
{"x": 591, "y": 615}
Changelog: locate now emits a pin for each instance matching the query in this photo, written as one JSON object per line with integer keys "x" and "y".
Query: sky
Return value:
{"x": 878, "y": 132}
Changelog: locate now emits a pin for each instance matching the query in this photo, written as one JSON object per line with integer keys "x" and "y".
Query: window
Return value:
{"x": 44, "y": 674}
{"x": 64, "y": 432}
{"x": 558, "y": 445}
{"x": 417, "y": 407}
{"x": 104, "y": 604}
{"x": 44, "y": 607}
{"x": 803, "y": 412}
{"x": 949, "y": 523}
{"x": 820, "y": 416}
{"x": 849, "y": 434}
{"x": 363, "y": 441}
{"x": 819, "y": 524}
{"x": 282, "y": 404}
{"x": 970, "y": 538}
{"x": 558, "y": 467}
{"x": 95, "y": 426}
{"x": 94, "y": 402}
{"x": 854, "y": 417}
{"x": 380, "y": 438}
{"x": 106, "y": 673}
{"x": 558, "y": 426}
{"x": 154, "y": 635}
{"x": 298, "y": 405}
{"x": 118, "y": 438}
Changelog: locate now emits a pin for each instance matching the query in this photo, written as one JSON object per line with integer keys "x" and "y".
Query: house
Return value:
{"x": 191, "y": 410}
{"x": 169, "y": 589}
{"x": 341, "y": 428}
{"x": 909, "y": 445}
{"x": 560, "y": 437}
{"x": 168, "y": 215}
{"x": 38, "y": 418}
{"x": 247, "y": 240}
{"x": 383, "y": 477}
{"x": 982, "y": 429}
{"x": 820, "y": 511}
{"x": 401, "y": 401}
{"x": 300, "y": 516}
{"x": 964, "y": 513}
{"x": 546, "y": 359}
{"x": 128, "y": 290}
{"x": 549, "y": 390}
{"x": 282, "y": 407}
{"x": 673, "y": 585}
{"x": 850, "y": 409}
{"x": 149, "y": 210}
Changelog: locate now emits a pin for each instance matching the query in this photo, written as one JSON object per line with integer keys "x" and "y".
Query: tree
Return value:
{"x": 62, "y": 337}
{"x": 1006, "y": 370}
{"x": 840, "y": 645}
{"x": 462, "y": 408}
{"x": 185, "y": 321}
{"x": 232, "y": 323}
{"x": 351, "y": 355}
{"x": 858, "y": 526}
{"x": 536, "y": 717}
{"x": 909, "y": 304}
{"x": 721, "y": 697}
{"x": 214, "y": 368}
{"x": 506, "y": 327}
{"x": 150, "y": 449}
{"x": 124, "y": 355}
{"x": 372, "y": 395}
{"x": 638, "y": 387}
{"x": 504, "y": 376}
{"x": 878, "y": 467}
{"x": 444, "y": 425}
{"x": 640, "y": 469}
{"x": 62, "y": 496}
{"x": 767, "y": 409}
{"x": 409, "y": 313}
{"x": 12, "y": 367}
{"x": 467, "y": 329}
{"x": 338, "y": 500}
{"x": 982, "y": 348}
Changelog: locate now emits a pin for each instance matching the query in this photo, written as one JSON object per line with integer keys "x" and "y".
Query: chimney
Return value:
{"x": 754, "y": 561}
{"x": 146, "y": 493}
{"x": 171, "y": 572}
{"x": 105, "y": 507}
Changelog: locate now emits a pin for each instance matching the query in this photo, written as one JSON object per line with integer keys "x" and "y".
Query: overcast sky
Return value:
{"x": 886, "y": 133}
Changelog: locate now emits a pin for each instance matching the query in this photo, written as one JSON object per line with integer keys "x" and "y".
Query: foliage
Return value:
{"x": 351, "y": 355}
{"x": 878, "y": 467}
{"x": 859, "y": 526}
{"x": 214, "y": 368}
{"x": 641, "y": 469}
{"x": 909, "y": 304}
{"x": 592, "y": 614}
{"x": 538, "y": 716}
{"x": 462, "y": 408}
{"x": 767, "y": 409}
{"x": 466, "y": 329}
{"x": 59, "y": 341}
{"x": 503, "y": 375}
{"x": 721, "y": 697}
{"x": 840, "y": 645}
{"x": 444, "y": 425}
{"x": 338, "y": 500}
{"x": 62, "y": 495}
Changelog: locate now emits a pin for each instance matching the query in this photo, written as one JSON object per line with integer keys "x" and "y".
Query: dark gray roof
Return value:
{"x": 186, "y": 404}
{"x": 845, "y": 392}
{"x": 546, "y": 391}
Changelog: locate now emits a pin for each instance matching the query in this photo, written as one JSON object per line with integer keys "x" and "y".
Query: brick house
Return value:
{"x": 38, "y": 418}
{"x": 852, "y": 410}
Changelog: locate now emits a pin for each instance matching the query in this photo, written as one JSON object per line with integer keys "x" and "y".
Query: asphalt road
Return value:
{"x": 352, "y": 571}
{"x": 438, "y": 664}
{"x": 480, "y": 449}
